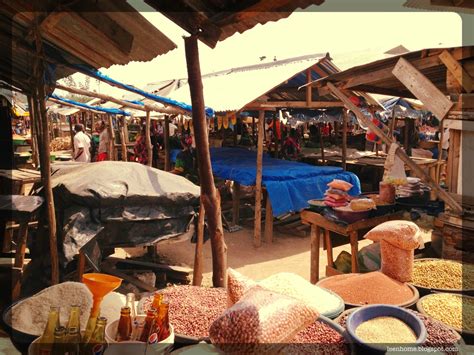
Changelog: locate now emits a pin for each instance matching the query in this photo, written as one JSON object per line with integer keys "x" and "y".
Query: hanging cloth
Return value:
{"x": 394, "y": 168}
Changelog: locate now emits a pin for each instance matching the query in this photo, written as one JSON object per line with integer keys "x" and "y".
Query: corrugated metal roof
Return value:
{"x": 220, "y": 19}
{"x": 465, "y": 7}
{"x": 232, "y": 89}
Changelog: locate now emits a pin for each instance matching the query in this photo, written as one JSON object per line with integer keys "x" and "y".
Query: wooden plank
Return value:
{"x": 461, "y": 75}
{"x": 354, "y": 252}
{"x": 166, "y": 134}
{"x": 452, "y": 85}
{"x": 344, "y": 139}
{"x": 111, "y": 134}
{"x": 314, "y": 258}
{"x": 149, "y": 147}
{"x": 21, "y": 245}
{"x": 257, "y": 237}
{"x": 122, "y": 140}
{"x": 400, "y": 153}
{"x": 268, "y": 221}
{"x": 454, "y": 153}
{"x": 327, "y": 239}
{"x": 422, "y": 88}
{"x": 309, "y": 93}
{"x": 198, "y": 253}
{"x": 461, "y": 125}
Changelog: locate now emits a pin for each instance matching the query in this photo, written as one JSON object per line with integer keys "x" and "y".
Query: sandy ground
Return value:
{"x": 287, "y": 253}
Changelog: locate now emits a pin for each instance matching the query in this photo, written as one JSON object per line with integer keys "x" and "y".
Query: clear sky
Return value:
{"x": 351, "y": 38}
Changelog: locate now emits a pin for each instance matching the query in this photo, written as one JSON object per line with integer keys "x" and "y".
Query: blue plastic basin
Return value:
{"x": 366, "y": 313}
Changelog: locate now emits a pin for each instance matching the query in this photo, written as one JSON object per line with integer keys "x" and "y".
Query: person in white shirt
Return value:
{"x": 82, "y": 144}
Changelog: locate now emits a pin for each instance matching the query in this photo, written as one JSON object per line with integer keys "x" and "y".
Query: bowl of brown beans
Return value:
{"x": 377, "y": 328}
{"x": 441, "y": 275}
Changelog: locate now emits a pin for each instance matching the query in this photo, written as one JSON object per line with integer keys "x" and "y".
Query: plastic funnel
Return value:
{"x": 100, "y": 285}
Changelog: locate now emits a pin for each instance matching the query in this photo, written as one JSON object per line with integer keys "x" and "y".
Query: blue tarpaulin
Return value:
{"x": 165, "y": 100}
{"x": 289, "y": 184}
{"x": 113, "y": 111}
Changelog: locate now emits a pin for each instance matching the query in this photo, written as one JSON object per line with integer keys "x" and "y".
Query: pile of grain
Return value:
{"x": 193, "y": 309}
{"x": 443, "y": 274}
{"x": 30, "y": 316}
{"x": 370, "y": 288}
{"x": 438, "y": 334}
{"x": 388, "y": 330}
{"x": 454, "y": 310}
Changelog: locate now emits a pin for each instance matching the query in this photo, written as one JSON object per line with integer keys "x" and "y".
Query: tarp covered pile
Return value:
{"x": 120, "y": 204}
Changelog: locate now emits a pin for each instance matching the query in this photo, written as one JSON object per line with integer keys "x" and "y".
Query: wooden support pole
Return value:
{"x": 197, "y": 272}
{"x": 257, "y": 237}
{"x": 166, "y": 133}
{"x": 321, "y": 144}
{"x": 45, "y": 160}
{"x": 235, "y": 203}
{"x": 123, "y": 146}
{"x": 406, "y": 140}
{"x": 71, "y": 133}
{"x": 253, "y": 130}
{"x": 268, "y": 221}
{"x": 111, "y": 138}
{"x": 34, "y": 132}
{"x": 344, "y": 139}
{"x": 314, "y": 264}
{"x": 209, "y": 194}
{"x": 309, "y": 88}
{"x": 400, "y": 153}
{"x": 149, "y": 146}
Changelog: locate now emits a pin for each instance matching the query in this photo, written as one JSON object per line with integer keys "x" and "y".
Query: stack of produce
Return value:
{"x": 398, "y": 240}
{"x": 370, "y": 288}
{"x": 192, "y": 309}
{"x": 456, "y": 311}
{"x": 60, "y": 143}
{"x": 321, "y": 300}
{"x": 443, "y": 274}
{"x": 337, "y": 193}
{"x": 414, "y": 187}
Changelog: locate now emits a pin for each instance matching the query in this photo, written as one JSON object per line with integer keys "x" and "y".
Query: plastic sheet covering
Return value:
{"x": 119, "y": 204}
{"x": 289, "y": 184}
{"x": 164, "y": 100}
{"x": 113, "y": 111}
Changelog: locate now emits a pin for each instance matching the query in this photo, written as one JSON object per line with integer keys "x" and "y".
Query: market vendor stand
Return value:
{"x": 351, "y": 231}
{"x": 16, "y": 180}
{"x": 21, "y": 209}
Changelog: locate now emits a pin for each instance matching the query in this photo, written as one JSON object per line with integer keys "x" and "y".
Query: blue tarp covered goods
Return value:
{"x": 289, "y": 184}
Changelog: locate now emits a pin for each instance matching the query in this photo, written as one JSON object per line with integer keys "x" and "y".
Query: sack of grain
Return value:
{"x": 260, "y": 317}
{"x": 402, "y": 234}
{"x": 237, "y": 285}
{"x": 397, "y": 263}
{"x": 289, "y": 284}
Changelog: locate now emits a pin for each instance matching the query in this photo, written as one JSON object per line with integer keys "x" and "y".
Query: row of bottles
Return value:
{"x": 60, "y": 340}
{"x": 153, "y": 329}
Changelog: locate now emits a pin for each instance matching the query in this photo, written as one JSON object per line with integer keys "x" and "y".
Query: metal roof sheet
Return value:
{"x": 232, "y": 89}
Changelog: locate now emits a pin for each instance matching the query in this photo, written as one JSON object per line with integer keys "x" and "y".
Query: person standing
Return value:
{"x": 140, "y": 149}
{"x": 82, "y": 144}
{"x": 102, "y": 151}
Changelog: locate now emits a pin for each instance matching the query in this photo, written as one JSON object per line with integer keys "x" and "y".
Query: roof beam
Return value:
{"x": 457, "y": 70}
{"x": 145, "y": 107}
{"x": 72, "y": 105}
{"x": 296, "y": 104}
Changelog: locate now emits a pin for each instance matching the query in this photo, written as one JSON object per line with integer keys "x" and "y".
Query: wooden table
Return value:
{"x": 318, "y": 222}
{"x": 21, "y": 209}
{"x": 17, "y": 179}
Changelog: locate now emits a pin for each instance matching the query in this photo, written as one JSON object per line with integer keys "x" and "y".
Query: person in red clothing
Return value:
{"x": 291, "y": 146}
{"x": 140, "y": 150}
